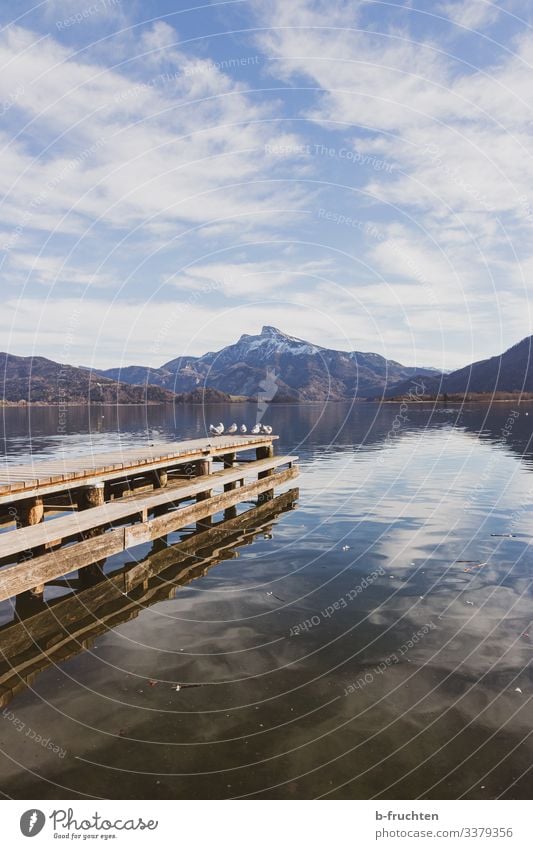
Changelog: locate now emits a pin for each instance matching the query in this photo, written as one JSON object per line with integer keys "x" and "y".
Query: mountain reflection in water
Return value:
{"x": 375, "y": 642}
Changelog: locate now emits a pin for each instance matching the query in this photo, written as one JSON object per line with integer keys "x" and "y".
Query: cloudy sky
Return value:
{"x": 357, "y": 173}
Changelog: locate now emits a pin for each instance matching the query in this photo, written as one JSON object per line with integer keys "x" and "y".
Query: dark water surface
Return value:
{"x": 376, "y": 643}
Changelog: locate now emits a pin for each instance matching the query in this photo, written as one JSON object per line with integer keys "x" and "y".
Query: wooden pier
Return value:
{"x": 72, "y": 513}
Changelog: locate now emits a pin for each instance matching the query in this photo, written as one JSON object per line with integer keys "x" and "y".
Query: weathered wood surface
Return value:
{"x": 17, "y": 481}
{"x": 38, "y": 570}
{"x": 67, "y": 625}
{"x": 120, "y": 510}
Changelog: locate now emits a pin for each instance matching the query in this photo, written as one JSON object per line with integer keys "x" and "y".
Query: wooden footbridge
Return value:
{"x": 70, "y": 514}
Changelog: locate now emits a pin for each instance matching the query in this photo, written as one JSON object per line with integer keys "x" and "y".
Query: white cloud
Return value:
{"x": 471, "y": 14}
{"x": 143, "y": 140}
{"x": 253, "y": 280}
{"x": 172, "y": 148}
{"x": 459, "y": 138}
{"x": 52, "y": 271}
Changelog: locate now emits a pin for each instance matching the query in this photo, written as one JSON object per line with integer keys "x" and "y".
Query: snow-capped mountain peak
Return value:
{"x": 301, "y": 370}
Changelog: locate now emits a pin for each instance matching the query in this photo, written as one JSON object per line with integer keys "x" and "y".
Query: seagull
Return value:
{"x": 232, "y": 428}
{"x": 244, "y": 429}
{"x": 267, "y": 429}
{"x": 256, "y": 428}
{"x": 217, "y": 430}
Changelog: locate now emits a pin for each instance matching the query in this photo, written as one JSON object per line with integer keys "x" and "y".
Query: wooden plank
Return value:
{"x": 134, "y": 456}
{"x": 189, "y": 450}
{"x": 65, "y": 527}
{"x": 38, "y": 570}
{"x": 22, "y": 577}
{"x": 209, "y": 543}
{"x": 161, "y": 525}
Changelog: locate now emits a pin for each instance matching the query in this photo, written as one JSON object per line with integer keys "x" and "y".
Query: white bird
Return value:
{"x": 218, "y": 429}
{"x": 232, "y": 428}
{"x": 256, "y": 428}
{"x": 244, "y": 429}
{"x": 267, "y": 429}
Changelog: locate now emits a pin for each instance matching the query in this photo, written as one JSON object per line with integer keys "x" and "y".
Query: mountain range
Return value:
{"x": 272, "y": 365}
{"x": 42, "y": 381}
{"x": 510, "y": 372}
{"x": 269, "y": 366}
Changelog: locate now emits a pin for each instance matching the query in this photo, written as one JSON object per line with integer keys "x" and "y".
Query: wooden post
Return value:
{"x": 262, "y": 453}
{"x": 159, "y": 544}
{"x": 229, "y": 461}
{"x": 31, "y": 512}
{"x": 92, "y": 574}
{"x": 92, "y": 496}
{"x": 160, "y": 478}
{"x": 203, "y": 467}
{"x": 29, "y": 603}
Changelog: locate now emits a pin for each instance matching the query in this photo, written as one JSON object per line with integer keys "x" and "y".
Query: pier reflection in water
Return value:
{"x": 43, "y": 634}
{"x": 439, "y": 510}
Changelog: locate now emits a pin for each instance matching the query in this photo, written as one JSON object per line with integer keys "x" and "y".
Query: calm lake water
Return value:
{"x": 376, "y": 642}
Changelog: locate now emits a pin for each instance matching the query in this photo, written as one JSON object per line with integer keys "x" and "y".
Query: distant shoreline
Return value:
{"x": 456, "y": 402}
{"x": 413, "y": 402}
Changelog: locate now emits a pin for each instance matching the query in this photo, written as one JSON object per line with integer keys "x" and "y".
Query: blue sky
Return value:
{"x": 358, "y": 174}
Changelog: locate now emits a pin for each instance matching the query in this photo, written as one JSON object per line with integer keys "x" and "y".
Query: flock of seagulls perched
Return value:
{"x": 219, "y": 429}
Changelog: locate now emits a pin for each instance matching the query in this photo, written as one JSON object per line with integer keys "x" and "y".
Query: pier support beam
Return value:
{"x": 203, "y": 467}
{"x": 92, "y": 574}
{"x": 92, "y": 496}
{"x": 160, "y": 478}
{"x": 263, "y": 453}
{"x": 29, "y": 603}
{"x": 31, "y": 512}
{"x": 229, "y": 461}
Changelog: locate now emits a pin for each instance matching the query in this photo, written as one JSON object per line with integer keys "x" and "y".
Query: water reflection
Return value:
{"x": 438, "y": 508}
{"x": 42, "y": 634}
